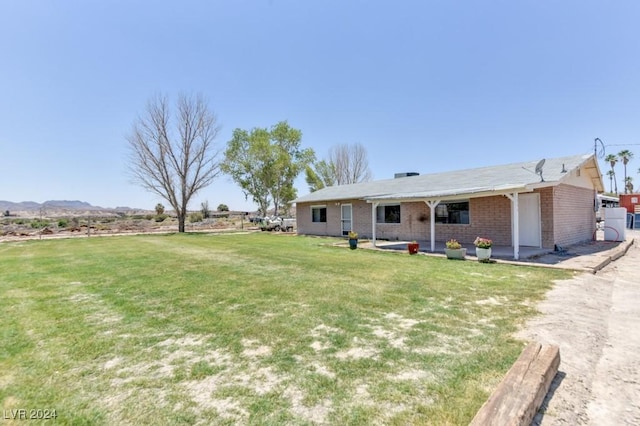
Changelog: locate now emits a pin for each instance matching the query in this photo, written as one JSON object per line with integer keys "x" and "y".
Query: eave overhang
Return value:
{"x": 457, "y": 194}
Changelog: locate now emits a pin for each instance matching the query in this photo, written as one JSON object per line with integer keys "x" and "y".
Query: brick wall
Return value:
{"x": 573, "y": 215}
{"x": 490, "y": 217}
{"x": 567, "y": 217}
{"x": 361, "y": 218}
{"x": 546, "y": 216}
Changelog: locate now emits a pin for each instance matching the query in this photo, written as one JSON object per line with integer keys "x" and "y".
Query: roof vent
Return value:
{"x": 407, "y": 174}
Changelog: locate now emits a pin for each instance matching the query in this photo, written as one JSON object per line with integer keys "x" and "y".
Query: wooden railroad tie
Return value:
{"x": 520, "y": 394}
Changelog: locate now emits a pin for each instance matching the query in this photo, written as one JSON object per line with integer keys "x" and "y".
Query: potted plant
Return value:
{"x": 413, "y": 247}
{"x": 353, "y": 240}
{"x": 483, "y": 248}
{"x": 454, "y": 250}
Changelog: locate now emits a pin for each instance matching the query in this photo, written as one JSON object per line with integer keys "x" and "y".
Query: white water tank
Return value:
{"x": 615, "y": 221}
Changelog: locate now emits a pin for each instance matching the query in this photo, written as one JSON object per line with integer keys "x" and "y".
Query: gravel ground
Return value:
{"x": 595, "y": 320}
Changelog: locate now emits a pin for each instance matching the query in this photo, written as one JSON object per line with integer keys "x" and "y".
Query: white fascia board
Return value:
{"x": 450, "y": 195}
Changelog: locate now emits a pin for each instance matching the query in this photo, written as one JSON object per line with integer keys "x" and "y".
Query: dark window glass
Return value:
{"x": 388, "y": 214}
{"x": 457, "y": 212}
{"x": 318, "y": 214}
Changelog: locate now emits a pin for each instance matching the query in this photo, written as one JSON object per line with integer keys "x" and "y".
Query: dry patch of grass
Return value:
{"x": 239, "y": 329}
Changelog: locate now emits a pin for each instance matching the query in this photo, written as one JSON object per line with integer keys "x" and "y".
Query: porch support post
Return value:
{"x": 432, "y": 216}
{"x": 515, "y": 224}
{"x": 374, "y": 206}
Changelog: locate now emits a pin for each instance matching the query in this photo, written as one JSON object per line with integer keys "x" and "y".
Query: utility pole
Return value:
{"x": 595, "y": 148}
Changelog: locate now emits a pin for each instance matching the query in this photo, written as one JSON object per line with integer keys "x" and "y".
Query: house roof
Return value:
{"x": 477, "y": 182}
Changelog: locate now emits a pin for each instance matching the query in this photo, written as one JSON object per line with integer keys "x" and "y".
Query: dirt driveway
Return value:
{"x": 595, "y": 320}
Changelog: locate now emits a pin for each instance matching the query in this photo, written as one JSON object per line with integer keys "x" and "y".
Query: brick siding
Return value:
{"x": 574, "y": 217}
{"x": 567, "y": 217}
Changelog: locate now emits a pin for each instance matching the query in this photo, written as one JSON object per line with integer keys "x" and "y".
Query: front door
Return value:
{"x": 346, "y": 219}
{"x": 529, "y": 220}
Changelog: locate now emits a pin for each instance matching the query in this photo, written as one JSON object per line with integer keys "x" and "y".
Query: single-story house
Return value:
{"x": 538, "y": 204}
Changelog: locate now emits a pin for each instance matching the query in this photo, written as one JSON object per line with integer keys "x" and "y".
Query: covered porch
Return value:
{"x": 497, "y": 252}
{"x": 433, "y": 198}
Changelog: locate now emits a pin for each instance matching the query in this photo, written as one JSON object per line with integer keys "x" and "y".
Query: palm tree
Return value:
{"x": 628, "y": 185}
{"x": 625, "y": 156}
{"x": 611, "y": 175}
{"x": 613, "y": 159}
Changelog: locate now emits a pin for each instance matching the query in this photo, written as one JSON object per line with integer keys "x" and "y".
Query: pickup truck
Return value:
{"x": 277, "y": 224}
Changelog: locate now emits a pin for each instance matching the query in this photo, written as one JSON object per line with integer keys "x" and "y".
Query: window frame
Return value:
{"x": 319, "y": 207}
{"x": 385, "y": 214}
{"x": 449, "y": 216}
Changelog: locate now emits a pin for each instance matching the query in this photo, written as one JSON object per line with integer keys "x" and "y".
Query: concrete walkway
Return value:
{"x": 591, "y": 256}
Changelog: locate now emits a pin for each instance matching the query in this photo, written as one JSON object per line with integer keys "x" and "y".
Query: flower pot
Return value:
{"x": 413, "y": 248}
{"x": 456, "y": 253}
{"x": 483, "y": 253}
{"x": 353, "y": 243}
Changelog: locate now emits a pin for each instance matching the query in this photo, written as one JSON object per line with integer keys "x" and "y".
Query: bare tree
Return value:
{"x": 174, "y": 156}
{"x": 350, "y": 163}
{"x": 346, "y": 164}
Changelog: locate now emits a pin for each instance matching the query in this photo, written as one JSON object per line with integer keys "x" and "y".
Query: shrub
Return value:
{"x": 161, "y": 217}
{"x": 195, "y": 217}
{"x": 39, "y": 223}
{"x": 63, "y": 223}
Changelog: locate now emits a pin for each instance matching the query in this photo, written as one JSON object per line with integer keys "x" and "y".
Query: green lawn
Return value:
{"x": 254, "y": 328}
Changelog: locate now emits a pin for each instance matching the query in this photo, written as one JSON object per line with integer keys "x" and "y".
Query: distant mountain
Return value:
{"x": 51, "y": 204}
{"x": 72, "y": 205}
{"x": 25, "y": 205}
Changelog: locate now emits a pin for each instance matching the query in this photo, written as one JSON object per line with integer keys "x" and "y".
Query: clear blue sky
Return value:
{"x": 425, "y": 86}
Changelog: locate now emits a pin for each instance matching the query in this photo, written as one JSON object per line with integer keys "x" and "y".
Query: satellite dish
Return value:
{"x": 539, "y": 169}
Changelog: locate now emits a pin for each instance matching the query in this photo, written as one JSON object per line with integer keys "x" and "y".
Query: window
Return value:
{"x": 453, "y": 212}
{"x": 388, "y": 214}
{"x": 319, "y": 214}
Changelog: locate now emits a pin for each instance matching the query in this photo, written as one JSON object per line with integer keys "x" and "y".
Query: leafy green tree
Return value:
{"x": 223, "y": 208}
{"x": 320, "y": 175}
{"x": 159, "y": 209}
{"x": 265, "y": 163}
{"x": 247, "y": 161}
{"x": 625, "y": 156}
